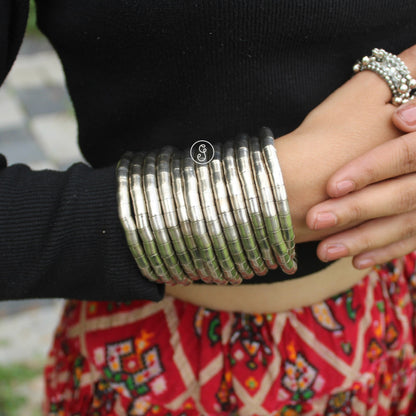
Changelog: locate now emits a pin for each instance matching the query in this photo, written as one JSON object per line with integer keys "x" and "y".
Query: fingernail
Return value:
{"x": 408, "y": 114}
{"x": 364, "y": 263}
{"x": 324, "y": 220}
{"x": 335, "y": 251}
{"x": 344, "y": 187}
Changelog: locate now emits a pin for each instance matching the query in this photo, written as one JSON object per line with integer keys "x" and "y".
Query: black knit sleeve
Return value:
{"x": 60, "y": 235}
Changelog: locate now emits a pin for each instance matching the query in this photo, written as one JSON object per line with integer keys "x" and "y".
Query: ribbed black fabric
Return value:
{"x": 60, "y": 235}
{"x": 144, "y": 74}
{"x": 13, "y": 15}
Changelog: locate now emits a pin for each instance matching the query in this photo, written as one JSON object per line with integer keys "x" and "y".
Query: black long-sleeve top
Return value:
{"x": 144, "y": 74}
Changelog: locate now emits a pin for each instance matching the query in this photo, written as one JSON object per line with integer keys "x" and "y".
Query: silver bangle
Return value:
{"x": 197, "y": 220}
{"x": 183, "y": 218}
{"x": 127, "y": 220}
{"x": 157, "y": 222}
{"x": 241, "y": 218}
{"x": 213, "y": 225}
{"x": 226, "y": 217}
{"x": 268, "y": 205}
{"x": 142, "y": 221}
{"x": 220, "y": 222}
{"x": 169, "y": 211}
{"x": 252, "y": 202}
{"x": 288, "y": 264}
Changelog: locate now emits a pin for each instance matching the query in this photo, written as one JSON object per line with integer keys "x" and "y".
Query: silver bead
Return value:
{"x": 403, "y": 88}
{"x": 377, "y": 53}
{"x": 356, "y": 68}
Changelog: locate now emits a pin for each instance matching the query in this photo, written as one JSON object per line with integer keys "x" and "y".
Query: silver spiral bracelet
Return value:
{"x": 219, "y": 222}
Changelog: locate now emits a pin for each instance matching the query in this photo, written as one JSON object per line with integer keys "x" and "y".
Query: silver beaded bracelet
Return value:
{"x": 219, "y": 222}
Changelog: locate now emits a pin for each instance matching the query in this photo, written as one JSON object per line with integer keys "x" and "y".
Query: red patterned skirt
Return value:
{"x": 353, "y": 354}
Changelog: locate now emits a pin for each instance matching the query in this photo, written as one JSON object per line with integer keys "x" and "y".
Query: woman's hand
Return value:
{"x": 377, "y": 191}
{"x": 352, "y": 121}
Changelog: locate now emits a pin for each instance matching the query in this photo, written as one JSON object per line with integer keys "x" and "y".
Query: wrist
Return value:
{"x": 305, "y": 178}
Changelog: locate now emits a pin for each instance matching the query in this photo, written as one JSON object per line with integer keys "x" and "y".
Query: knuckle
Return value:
{"x": 408, "y": 231}
{"x": 408, "y": 228}
{"x": 366, "y": 243}
{"x": 407, "y": 154}
{"x": 362, "y": 240}
{"x": 355, "y": 213}
{"x": 371, "y": 173}
{"x": 369, "y": 170}
{"x": 402, "y": 248}
{"x": 407, "y": 199}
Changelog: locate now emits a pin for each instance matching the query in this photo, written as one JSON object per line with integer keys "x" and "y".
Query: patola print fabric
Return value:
{"x": 353, "y": 354}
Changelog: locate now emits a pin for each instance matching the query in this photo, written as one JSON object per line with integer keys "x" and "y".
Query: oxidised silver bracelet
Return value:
{"x": 142, "y": 221}
{"x": 196, "y": 216}
{"x": 288, "y": 263}
{"x": 220, "y": 222}
{"x": 225, "y": 215}
{"x": 240, "y": 214}
{"x": 183, "y": 217}
{"x": 167, "y": 200}
{"x": 246, "y": 174}
{"x": 214, "y": 227}
{"x": 128, "y": 222}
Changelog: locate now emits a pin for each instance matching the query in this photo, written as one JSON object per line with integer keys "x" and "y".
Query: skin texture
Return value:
{"x": 373, "y": 196}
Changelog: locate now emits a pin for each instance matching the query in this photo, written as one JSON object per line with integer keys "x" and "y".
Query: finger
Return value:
{"x": 404, "y": 117}
{"x": 369, "y": 236}
{"x": 372, "y": 87}
{"x": 388, "y": 160}
{"x": 385, "y": 254}
{"x": 386, "y": 198}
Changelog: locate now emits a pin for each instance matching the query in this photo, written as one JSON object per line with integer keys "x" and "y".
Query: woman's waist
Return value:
{"x": 273, "y": 297}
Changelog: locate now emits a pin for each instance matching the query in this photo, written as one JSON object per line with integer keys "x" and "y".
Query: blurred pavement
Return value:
{"x": 37, "y": 127}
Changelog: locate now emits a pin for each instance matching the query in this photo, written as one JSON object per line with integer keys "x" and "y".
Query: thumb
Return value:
{"x": 404, "y": 118}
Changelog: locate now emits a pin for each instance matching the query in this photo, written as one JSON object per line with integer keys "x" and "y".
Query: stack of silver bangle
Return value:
{"x": 219, "y": 222}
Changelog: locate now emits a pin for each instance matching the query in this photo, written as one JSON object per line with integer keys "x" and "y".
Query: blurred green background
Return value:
{"x": 31, "y": 24}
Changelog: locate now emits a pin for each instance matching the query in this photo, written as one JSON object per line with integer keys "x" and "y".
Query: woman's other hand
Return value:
{"x": 377, "y": 191}
{"x": 353, "y": 120}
